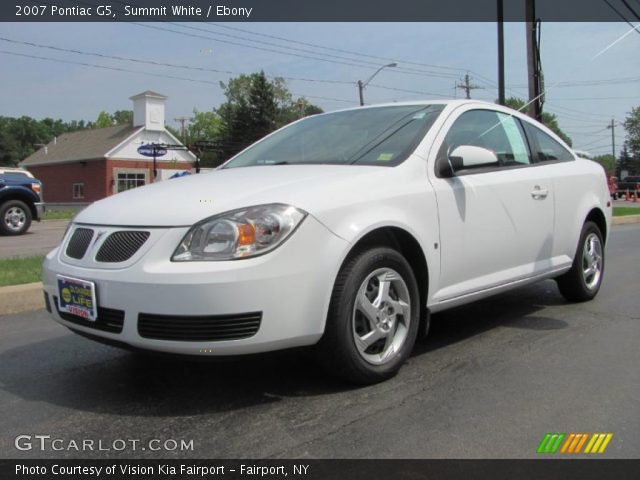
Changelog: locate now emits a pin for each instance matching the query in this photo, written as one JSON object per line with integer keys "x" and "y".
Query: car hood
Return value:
{"x": 186, "y": 200}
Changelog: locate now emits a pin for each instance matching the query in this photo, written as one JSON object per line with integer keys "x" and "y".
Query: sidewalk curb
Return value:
{"x": 626, "y": 219}
{"x": 21, "y": 298}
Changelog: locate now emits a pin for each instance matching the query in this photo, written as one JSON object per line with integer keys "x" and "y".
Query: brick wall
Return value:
{"x": 58, "y": 180}
{"x": 98, "y": 177}
{"x": 114, "y": 165}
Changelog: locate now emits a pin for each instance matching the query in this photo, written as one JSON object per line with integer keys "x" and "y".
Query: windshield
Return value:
{"x": 368, "y": 136}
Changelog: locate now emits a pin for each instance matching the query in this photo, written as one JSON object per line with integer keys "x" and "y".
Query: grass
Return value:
{"x": 19, "y": 270}
{"x": 622, "y": 211}
{"x": 59, "y": 214}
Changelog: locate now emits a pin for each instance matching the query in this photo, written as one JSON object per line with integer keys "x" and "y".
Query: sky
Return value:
{"x": 592, "y": 70}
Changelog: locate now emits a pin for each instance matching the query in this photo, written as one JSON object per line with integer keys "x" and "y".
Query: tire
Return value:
{"x": 354, "y": 346}
{"x": 15, "y": 217}
{"x": 577, "y": 285}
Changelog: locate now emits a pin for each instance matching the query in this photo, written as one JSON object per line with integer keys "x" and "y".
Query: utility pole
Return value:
{"x": 612, "y": 127}
{"x": 501, "y": 99}
{"x": 360, "y": 92}
{"x": 467, "y": 86}
{"x": 182, "y": 121}
{"x": 533, "y": 65}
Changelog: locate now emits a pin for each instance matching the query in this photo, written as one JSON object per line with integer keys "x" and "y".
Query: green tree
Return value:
{"x": 632, "y": 143}
{"x": 103, "y": 120}
{"x": 607, "y": 161}
{"x": 255, "y": 107}
{"x": 20, "y": 137}
{"x": 548, "y": 119}
{"x": 204, "y": 129}
{"x": 204, "y": 126}
{"x": 123, "y": 117}
{"x": 626, "y": 162}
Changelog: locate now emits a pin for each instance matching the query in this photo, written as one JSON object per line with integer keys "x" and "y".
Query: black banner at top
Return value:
{"x": 315, "y": 10}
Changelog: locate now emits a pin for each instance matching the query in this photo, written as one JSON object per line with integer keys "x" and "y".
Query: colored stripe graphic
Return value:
{"x": 598, "y": 443}
{"x": 574, "y": 442}
{"x": 550, "y": 443}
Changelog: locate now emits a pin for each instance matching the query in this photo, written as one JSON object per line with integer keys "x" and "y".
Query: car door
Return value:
{"x": 496, "y": 221}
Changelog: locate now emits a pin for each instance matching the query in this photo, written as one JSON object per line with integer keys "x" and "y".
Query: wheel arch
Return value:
{"x": 22, "y": 197}
{"x": 597, "y": 216}
{"x": 407, "y": 245}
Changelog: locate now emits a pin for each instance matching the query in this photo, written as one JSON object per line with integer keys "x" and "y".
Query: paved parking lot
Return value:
{"x": 489, "y": 382}
{"x": 39, "y": 240}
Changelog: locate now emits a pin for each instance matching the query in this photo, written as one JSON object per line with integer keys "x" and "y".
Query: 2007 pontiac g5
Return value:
{"x": 341, "y": 231}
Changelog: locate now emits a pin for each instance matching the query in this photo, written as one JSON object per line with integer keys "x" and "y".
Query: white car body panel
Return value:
{"x": 480, "y": 234}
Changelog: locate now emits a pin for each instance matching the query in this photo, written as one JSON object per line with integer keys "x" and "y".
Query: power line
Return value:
{"x": 339, "y": 57}
{"x": 633, "y": 12}
{"x": 570, "y": 99}
{"x": 621, "y": 15}
{"x": 173, "y": 77}
{"x": 350, "y": 62}
{"x": 349, "y": 52}
{"x": 592, "y": 83}
{"x": 163, "y": 64}
{"x": 386, "y": 87}
{"x": 282, "y": 39}
{"x": 573, "y": 111}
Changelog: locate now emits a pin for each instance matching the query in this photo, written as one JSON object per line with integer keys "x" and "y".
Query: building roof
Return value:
{"x": 80, "y": 145}
{"x": 148, "y": 93}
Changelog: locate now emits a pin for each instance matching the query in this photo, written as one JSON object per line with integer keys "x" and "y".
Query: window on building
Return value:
{"x": 129, "y": 180}
{"x": 78, "y": 191}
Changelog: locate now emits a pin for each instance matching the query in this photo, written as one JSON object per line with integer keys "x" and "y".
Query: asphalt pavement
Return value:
{"x": 39, "y": 239}
{"x": 490, "y": 380}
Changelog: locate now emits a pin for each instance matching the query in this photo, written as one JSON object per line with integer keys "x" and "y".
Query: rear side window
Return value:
{"x": 548, "y": 149}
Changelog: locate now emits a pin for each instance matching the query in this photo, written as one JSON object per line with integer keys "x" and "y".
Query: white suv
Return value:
{"x": 341, "y": 231}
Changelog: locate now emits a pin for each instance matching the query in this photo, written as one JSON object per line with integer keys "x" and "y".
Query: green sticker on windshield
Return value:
{"x": 419, "y": 116}
{"x": 385, "y": 157}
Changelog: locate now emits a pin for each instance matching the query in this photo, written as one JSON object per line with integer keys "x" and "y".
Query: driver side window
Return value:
{"x": 495, "y": 131}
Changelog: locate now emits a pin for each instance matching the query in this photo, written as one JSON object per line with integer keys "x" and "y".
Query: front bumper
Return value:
{"x": 40, "y": 209}
{"x": 290, "y": 287}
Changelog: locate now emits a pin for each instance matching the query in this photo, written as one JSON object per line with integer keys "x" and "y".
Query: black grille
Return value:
{"x": 80, "y": 240}
{"x": 121, "y": 246}
{"x": 108, "y": 320}
{"x": 199, "y": 328}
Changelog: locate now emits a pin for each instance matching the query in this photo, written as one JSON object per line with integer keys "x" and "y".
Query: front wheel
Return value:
{"x": 15, "y": 217}
{"x": 583, "y": 281}
{"x": 373, "y": 317}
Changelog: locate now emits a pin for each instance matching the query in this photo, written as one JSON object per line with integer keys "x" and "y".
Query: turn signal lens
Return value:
{"x": 246, "y": 235}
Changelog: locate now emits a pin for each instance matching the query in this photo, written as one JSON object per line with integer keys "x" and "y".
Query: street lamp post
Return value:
{"x": 362, "y": 84}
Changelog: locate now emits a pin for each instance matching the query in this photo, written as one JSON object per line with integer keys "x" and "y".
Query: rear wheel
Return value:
{"x": 15, "y": 217}
{"x": 373, "y": 317}
{"x": 583, "y": 281}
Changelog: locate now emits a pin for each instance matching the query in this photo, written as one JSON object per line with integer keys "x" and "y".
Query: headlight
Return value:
{"x": 239, "y": 234}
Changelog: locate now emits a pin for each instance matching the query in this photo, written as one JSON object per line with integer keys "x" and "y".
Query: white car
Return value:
{"x": 342, "y": 231}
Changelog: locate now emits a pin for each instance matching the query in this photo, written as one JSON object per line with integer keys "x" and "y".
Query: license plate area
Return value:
{"x": 77, "y": 297}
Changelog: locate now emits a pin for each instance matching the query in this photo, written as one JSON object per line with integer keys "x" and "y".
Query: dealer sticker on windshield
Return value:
{"x": 77, "y": 297}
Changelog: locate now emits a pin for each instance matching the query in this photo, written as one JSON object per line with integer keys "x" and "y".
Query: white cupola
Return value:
{"x": 148, "y": 110}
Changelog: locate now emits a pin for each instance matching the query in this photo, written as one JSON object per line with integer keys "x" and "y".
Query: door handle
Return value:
{"x": 539, "y": 193}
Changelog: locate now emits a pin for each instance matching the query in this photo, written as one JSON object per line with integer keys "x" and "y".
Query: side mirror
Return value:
{"x": 468, "y": 156}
